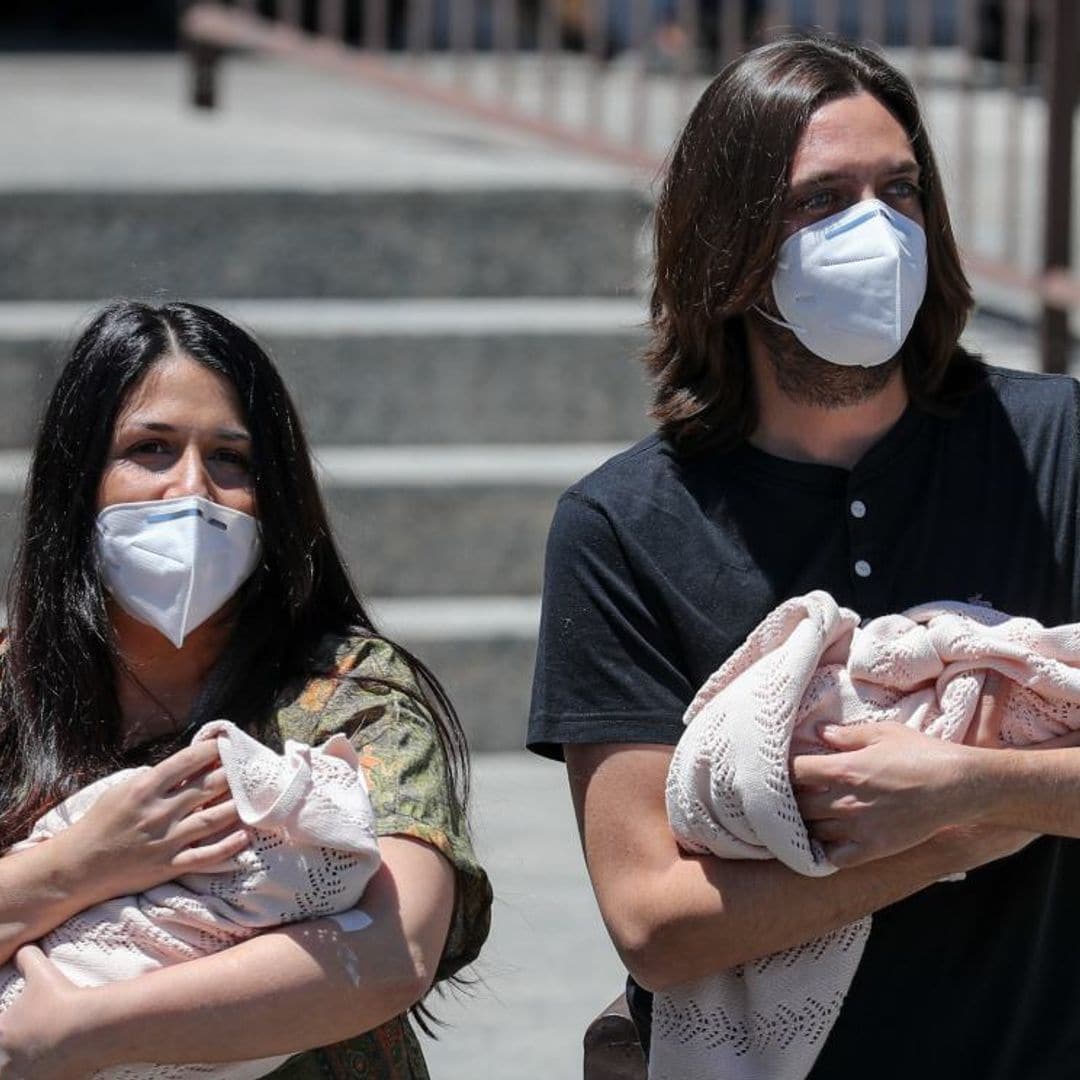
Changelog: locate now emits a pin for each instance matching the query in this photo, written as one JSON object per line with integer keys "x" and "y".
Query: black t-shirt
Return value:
{"x": 659, "y": 566}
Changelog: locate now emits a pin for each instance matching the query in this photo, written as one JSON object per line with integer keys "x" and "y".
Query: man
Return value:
{"x": 820, "y": 427}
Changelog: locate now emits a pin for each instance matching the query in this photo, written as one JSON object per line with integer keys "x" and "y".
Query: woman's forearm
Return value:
{"x": 303, "y": 986}
{"x": 40, "y": 887}
{"x": 277, "y": 994}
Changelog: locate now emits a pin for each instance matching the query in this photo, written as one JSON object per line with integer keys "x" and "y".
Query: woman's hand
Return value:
{"x": 37, "y": 1041}
{"x": 167, "y": 821}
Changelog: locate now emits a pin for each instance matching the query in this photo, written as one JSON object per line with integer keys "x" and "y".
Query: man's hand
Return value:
{"x": 886, "y": 789}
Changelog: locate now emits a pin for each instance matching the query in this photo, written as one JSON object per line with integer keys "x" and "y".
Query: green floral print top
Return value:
{"x": 360, "y": 686}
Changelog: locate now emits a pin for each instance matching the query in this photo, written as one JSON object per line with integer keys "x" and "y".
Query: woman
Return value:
{"x": 157, "y": 409}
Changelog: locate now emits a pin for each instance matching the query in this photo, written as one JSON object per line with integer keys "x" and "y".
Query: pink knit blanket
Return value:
{"x": 312, "y": 851}
{"x": 729, "y": 790}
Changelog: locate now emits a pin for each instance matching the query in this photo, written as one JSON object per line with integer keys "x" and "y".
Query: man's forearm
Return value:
{"x": 704, "y": 914}
{"x": 1028, "y": 788}
{"x": 676, "y": 917}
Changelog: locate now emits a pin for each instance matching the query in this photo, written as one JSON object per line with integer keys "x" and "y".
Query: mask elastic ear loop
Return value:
{"x": 778, "y": 322}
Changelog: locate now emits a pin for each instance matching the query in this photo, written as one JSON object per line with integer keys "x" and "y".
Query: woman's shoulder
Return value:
{"x": 349, "y": 680}
{"x": 359, "y": 654}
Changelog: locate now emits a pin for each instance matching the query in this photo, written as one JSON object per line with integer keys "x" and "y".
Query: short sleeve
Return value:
{"x": 607, "y": 666}
{"x": 369, "y": 693}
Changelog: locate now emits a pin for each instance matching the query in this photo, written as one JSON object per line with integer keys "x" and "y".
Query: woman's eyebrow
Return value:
{"x": 159, "y": 426}
{"x": 233, "y": 434}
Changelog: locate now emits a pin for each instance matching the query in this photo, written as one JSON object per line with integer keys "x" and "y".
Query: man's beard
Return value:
{"x": 807, "y": 379}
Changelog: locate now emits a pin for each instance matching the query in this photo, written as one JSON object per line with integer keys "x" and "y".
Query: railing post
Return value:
{"x": 506, "y": 43}
{"x": 290, "y": 13}
{"x": 420, "y": 26}
{"x": 330, "y": 20}
{"x": 375, "y": 25}
{"x": 203, "y": 60}
{"x": 549, "y": 42}
{"x": 1060, "y": 40}
{"x": 1017, "y": 59}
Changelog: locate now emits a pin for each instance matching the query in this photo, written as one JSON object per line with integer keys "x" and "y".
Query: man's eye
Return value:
{"x": 812, "y": 204}
{"x": 904, "y": 189}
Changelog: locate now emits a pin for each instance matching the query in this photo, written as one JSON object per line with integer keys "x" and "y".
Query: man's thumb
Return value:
{"x": 846, "y": 736}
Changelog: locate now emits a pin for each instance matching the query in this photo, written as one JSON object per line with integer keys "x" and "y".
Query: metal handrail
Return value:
{"x": 616, "y": 78}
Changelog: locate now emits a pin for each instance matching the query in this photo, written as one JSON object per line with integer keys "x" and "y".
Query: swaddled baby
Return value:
{"x": 729, "y": 790}
{"x": 312, "y": 851}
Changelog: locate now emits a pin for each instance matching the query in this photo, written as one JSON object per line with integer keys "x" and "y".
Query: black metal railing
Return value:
{"x": 615, "y": 78}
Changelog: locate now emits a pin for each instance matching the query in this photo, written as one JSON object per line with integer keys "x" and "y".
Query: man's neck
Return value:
{"x": 822, "y": 435}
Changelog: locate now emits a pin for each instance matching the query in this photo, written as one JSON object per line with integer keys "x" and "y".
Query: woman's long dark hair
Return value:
{"x": 59, "y": 715}
{"x": 718, "y": 230}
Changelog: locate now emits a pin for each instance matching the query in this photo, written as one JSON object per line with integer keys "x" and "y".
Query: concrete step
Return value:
{"x": 399, "y": 372}
{"x": 483, "y": 650}
{"x": 421, "y": 521}
{"x": 70, "y": 244}
{"x": 450, "y": 521}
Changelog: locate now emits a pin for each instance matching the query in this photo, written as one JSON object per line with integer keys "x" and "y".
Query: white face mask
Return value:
{"x": 851, "y": 284}
{"x": 173, "y": 562}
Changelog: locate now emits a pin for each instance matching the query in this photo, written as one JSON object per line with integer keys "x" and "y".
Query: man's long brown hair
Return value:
{"x": 719, "y": 225}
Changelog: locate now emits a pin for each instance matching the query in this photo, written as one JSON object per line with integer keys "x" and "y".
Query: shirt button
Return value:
{"x": 863, "y": 568}
{"x": 858, "y": 509}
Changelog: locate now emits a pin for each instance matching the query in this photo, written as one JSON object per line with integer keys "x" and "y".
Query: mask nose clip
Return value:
{"x": 841, "y": 227}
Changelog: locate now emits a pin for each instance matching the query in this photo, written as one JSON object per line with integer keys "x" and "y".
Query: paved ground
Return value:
{"x": 93, "y": 122}
{"x": 548, "y": 967}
